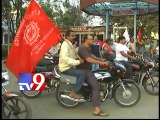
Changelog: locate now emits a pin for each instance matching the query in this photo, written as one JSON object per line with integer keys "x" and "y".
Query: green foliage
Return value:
{"x": 73, "y": 16}
{"x": 47, "y": 7}
{"x": 12, "y": 22}
{"x": 148, "y": 22}
{"x": 70, "y": 16}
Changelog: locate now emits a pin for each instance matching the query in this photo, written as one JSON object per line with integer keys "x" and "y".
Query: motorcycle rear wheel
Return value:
{"x": 149, "y": 87}
{"x": 21, "y": 109}
{"x": 31, "y": 94}
{"x": 128, "y": 98}
{"x": 65, "y": 102}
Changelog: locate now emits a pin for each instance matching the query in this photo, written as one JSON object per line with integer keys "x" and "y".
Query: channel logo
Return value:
{"x": 31, "y": 81}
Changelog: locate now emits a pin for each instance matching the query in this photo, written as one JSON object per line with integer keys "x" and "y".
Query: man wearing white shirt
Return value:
{"x": 122, "y": 56}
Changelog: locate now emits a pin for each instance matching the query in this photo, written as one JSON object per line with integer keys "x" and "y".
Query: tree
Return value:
{"x": 47, "y": 7}
{"x": 148, "y": 22}
{"x": 8, "y": 19}
{"x": 73, "y": 16}
{"x": 70, "y": 16}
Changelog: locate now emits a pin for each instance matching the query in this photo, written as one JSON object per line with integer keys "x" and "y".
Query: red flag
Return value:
{"x": 35, "y": 35}
{"x": 139, "y": 35}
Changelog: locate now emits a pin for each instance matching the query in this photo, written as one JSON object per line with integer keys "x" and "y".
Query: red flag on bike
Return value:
{"x": 139, "y": 35}
{"x": 35, "y": 35}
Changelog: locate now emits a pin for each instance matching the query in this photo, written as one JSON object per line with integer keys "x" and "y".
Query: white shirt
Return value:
{"x": 120, "y": 47}
{"x": 67, "y": 56}
{"x": 114, "y": 46}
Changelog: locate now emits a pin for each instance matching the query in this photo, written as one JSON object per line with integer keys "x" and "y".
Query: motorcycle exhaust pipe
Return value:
{"x": 73, "y": 99}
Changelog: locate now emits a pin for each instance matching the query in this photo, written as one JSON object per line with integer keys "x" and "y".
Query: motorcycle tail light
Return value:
{"x": 9, "y": 94}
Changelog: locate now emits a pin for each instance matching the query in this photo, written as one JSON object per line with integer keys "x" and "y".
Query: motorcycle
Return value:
{"x": 155, "y": 60}
{"x": 49, "y": 84}
{"x": 124, "y": 91}
{"x": 52, "y": 58}
{"x": 142, "y": 74}
{"x": 46, "y": 66}
{"x": 14, "y": 105}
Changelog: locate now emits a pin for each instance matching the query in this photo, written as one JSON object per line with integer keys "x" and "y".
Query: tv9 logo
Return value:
{"x": 31, "y": 81}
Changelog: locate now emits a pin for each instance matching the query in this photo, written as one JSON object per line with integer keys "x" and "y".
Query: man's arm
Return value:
{"x": 94, "y": 61}
{"x": 126, "y": 55}
{"x": 94, "y": 57}
{"x": 90, "y": 58}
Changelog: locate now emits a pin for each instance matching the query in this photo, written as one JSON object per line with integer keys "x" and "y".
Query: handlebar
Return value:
{"x": 139, "y": 56}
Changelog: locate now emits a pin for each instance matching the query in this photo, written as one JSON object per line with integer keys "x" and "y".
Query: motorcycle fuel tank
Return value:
{"x": 135, "y": 67}
{"x": 101, "y": 75}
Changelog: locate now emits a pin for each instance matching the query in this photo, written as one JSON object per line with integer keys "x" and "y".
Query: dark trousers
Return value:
{"x": 81, "y": 76}
{"x": 92, "y": 82}
{"x": 129, "y": 71}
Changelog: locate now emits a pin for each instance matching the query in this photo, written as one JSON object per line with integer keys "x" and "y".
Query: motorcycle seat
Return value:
{"x": 120, "y": 67}
{"x": 41, "y": 69}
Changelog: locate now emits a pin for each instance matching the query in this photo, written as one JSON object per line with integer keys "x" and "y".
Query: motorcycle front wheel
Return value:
{"x": 151, "y": 84}
{"x": 20, "y": 108}
{"x": 128, "y": 94}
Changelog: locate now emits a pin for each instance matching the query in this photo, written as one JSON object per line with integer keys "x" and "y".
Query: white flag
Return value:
{"x": 112, "y": 36}
{"x": 126, "y": 35}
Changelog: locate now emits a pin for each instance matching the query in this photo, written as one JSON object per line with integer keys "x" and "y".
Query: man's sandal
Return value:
{"x": 76, "y": 96}
{"x": 101, "y": 113}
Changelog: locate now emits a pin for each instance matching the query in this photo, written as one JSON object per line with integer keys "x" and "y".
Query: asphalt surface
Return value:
{"x": 47, "y": 107}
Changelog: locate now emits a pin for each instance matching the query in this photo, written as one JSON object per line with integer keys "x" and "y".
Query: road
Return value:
{"x": 46, "y": 107}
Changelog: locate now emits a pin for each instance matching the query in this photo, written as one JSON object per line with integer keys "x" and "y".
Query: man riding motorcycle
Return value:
{"x": 85, "y": 53}
{"x": 122, "y": 56}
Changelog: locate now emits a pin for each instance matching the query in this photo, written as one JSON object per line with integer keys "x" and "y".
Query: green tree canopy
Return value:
{"x": 64, "y": 14}
{"x": 70, "y": 15}
{"x": 9, "y": 19}
{"x": 148, "y": 22}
